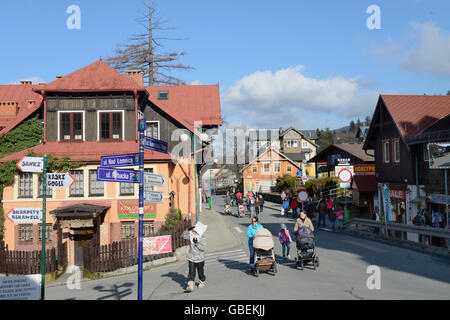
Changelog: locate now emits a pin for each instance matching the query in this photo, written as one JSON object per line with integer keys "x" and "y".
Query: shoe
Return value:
{"x": 190, "y": 287}
{"x": 201, "y": 284}
{"x": 289, "y": 257}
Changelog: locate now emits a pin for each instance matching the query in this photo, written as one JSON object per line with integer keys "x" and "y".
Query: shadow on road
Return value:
{"x": 176, "y": 277}
{"x": 116, "y": 291}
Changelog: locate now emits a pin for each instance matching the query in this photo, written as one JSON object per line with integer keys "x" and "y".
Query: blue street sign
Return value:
{"x": 299, "y": 174}
{"x": 120, "y": 160}
{"x": 142, "y": 125}
{"x": 117, "y": 175}
{"x": 155, "y": 145}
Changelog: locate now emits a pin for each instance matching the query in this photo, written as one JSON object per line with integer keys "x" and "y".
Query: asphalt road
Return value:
{"x": 343, "y": 272}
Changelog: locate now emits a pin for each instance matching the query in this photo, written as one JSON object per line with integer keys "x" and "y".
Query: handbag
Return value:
{"x": 282, "y": 212}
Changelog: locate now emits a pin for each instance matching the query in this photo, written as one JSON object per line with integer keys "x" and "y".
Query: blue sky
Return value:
{"x": 309, "y": 64}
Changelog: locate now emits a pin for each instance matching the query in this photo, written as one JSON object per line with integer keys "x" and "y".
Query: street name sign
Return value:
{"x": 117, "y": 175}
{"x": 25, "y": 215}
{"x": 153, "y": 196}
{"x": 60, "y": 180}
{"x": 30, "y": 164}
{"x": 120, "y": 160}
{"x": 154, "y": 179}
{"x": 154, "y": 144}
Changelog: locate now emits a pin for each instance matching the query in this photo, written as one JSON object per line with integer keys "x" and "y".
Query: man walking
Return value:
{"x": 196, "y": 254}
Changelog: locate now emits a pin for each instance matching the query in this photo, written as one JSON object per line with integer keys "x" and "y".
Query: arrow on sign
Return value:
{"x": 25, "y": 215}
{"x": 153, "y": 196}
{"x": 30, "y": 164}
{"x": 60, "y": 180}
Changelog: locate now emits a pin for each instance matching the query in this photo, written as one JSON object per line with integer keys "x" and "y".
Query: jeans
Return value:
{"x": 196, "y": 266}
{"x": 322, "y": 217}
{"x": 261, "y": 207}
{"x": 252, "y": 255}
{"x": 286, "y": 247}
{"x": 332, "y": 223}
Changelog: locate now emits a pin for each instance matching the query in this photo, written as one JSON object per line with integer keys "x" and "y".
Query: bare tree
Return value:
{"x": 142, "y": 52}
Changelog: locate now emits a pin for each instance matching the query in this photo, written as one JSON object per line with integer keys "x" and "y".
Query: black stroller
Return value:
{"x": 306, "y": 245}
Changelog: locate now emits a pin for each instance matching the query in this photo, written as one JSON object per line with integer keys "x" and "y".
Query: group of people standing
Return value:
{"x": 253, "y": 201}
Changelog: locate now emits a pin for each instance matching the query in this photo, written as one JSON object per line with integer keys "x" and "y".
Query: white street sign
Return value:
{"x": 345, "y": 185}
{"x": 25, "y": 215}
{"x": 154, "y": 179}
{"x": 153, "y": 196}
{"x": 59, "y": 180}
{"x": 21, "y": 287}
{"x": 30, "y": 164}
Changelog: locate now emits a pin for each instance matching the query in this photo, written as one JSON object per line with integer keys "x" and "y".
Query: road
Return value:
{"x": 342, "y": 274}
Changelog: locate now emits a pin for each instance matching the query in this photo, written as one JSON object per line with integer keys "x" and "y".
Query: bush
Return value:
{"x": 172, "y": 218}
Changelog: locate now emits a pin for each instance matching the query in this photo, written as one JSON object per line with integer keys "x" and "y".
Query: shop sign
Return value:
{"x": 397, "y": 194}
{"x": 129, "y": 209}
{"x": 438, "y": 198}
{"x": 364, "y": 169}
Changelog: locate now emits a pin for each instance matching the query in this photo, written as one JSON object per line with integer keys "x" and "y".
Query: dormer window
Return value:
{"x": 163, "y": 95}
{"x": 71, "y": 126}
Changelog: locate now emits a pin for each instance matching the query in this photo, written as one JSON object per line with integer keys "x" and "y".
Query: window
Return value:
{"x": 295, "y": 144}
{"x": 163, "y": 95}
{"x": 25, "y": 232}
{"x": 40, "y": 192}
{"x": 48, "y": 232}
{"x": 396, "y": 150}
{"x": 304, "y": 144}
{"x": 149, "y": 228}
{"x": 386, "y": 151}
{"x": 110, "y": 125}
{"x": 71, "y": 126}
{"x": 126, "y": 189}
{"x": 128, "y": 230}
{"x": 288, "y": 168}
{"x": 96, "y": 188}
{"x": 254, "y": 169}
{"x": 307, "y": 156}
{"x": 277, "y": 166}
{"x": 77, "y": 189}
{"x": 426, "y": 153}
{"x": 266, "y": 167}
{"x": 25, "y": 185}
{"x": 152, "y": 130}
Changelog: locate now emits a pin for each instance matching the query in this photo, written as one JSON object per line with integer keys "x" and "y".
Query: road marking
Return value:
{"x": 238, "y": 229}
{"x": 365, "y": 246}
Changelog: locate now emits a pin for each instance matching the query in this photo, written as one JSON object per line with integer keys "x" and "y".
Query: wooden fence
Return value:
{"x": 124, "y": 253}
{"x": 26, "y": 262}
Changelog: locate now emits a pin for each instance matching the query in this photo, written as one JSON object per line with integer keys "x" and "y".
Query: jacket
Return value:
{"x": 196, "y": 250}
{"x": 282, "y": 237}
{"x": 307, "y": 223}
{"x": 286, "y": 204}
{"x": 251, "y": 232}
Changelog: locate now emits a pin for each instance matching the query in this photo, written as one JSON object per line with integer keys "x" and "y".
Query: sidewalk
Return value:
{"x": 219, "y": 237}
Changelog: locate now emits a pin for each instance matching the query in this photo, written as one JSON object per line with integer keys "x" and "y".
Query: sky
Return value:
{"x": 306, "y": 64}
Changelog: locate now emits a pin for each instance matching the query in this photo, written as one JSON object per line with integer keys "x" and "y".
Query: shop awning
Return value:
{"x": 79, "y": 211}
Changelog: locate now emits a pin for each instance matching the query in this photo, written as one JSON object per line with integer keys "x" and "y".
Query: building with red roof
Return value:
{"x": 94, "y": 112}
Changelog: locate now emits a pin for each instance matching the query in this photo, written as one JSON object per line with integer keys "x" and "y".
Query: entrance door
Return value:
{"x": 80, "y": 238}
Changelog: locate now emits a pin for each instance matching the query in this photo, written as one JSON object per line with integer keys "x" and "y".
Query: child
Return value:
{"x": 285, "y": 240}
{"x": 340, "y": 218}
{"x": 196, "y": 254}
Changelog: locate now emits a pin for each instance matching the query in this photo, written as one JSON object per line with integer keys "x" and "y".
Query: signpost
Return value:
{"x": 118, "y": 175}
{"x": 154, "y": 179}
{"x": 60, "y": 180}
{"x": 30, "y": 164}
{"x": 153, "y": 196}
{"x": 345, "y": 176}
{"x": 25, "y": 215}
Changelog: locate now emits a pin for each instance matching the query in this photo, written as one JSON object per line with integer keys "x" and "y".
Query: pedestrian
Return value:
{"x": 283, "y": 195}
{"x": 251, "y": 234}
{"x": 285, "y": 240}
{"x": 303, "y": 221}
{"x": 330, "y": 205}
{"x": 257, "y": 205}
{"x": 261, "y": 203}
{"x": 323, "y": 210}
{"x": 332, "y": 217}
{"x": 294, "y": 206}
{"x": 196, "y": 254}
{"x": 285, "y": 205}
{"x": 340, "y": 218}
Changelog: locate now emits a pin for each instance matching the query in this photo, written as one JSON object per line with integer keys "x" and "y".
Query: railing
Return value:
{"x": 393, "y": 226}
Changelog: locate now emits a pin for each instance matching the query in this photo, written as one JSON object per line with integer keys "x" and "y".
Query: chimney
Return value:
{"x": 58, "y": 77}
{"x": 9, "y": 108}
{"x": 26, "y": 82}
{"x": 31, "y": 104}
{"x": 136, "y": 76}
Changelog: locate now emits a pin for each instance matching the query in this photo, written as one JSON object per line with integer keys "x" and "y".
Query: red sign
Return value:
{"x": 129, "y": 209}
{"x": 345, "y": 175}
{"x": 157, "y": 245}
{"x": 397, "y": 194}
{"x": 364, "y": 169}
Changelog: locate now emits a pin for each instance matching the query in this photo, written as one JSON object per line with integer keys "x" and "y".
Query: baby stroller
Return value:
{"x": 264, "y": 253}
{"x": 241, "y": 210}
{"x": 306, "y": 248}
{"x": 227, "y": 209}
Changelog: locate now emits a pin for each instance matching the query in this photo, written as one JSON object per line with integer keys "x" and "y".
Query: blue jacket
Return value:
{"x": 286, "y": 204}
{"x": 251, "y": 232}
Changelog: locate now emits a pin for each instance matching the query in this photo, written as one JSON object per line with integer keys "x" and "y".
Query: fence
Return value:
{"x": 124, "y": 253}
{"x": 25, "y": 262}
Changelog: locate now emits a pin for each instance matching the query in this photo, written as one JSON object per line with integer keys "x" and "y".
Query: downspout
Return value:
{"x": 45, "y": 115}
{"x": 135, "y": 114}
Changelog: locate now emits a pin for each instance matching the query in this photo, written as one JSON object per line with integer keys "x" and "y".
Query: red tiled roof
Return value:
{"x": 366, "y": 183}
{"x": 88, "y": 151}
{"x": 189, "y": 103}
{"x": 414, "y": 113}
{"x": 97, "y": 76}
{"x": 20, "y": 93}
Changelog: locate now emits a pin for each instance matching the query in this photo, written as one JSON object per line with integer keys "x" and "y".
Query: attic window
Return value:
{"x": 163, "y": 95}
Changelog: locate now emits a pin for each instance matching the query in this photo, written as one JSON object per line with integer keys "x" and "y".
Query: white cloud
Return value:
{"x": 195, "y": 82}
{"x": 426, "y": 50}
{"x": 287, "y": 97}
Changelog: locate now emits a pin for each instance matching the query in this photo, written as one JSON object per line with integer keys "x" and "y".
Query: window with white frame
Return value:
{"x": 304, "y": 144}
{"x": 71, "y": 126}
{"x": 277, "y": 167}
{"x": 25, "y": 185}
{"x": 149, "y": 228}
{"x": 254, "y": 169}
{"x": 111, "y": 125}
{"x": 96, "y": 188}
{"x": 266, "y": 167}
{"x": 48, "y": 232}
{"x": 128, "y": 230}
{"x": 386, "y": 158}
{"x": 152, "y": 129}
{"x": 25, "y": 232}
{"x": 396, "y": 150}
{"x": 77, "y": 188}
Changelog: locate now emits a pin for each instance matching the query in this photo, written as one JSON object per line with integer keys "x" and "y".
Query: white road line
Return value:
{"x": 223, "y": 252}
{"x": 238, "y": 229}
{"x": 365, "y": 246}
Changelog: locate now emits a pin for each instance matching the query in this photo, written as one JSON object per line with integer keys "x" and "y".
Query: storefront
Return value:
{"x": 436, "y": 209}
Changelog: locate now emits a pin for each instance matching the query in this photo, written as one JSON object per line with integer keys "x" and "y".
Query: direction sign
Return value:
{"x": 154, "y": 144}
{"x": 60, "y": 180}
{"x": 117, "y": 175}
{"x": 154, "y": 179}
{"x": 30, "y": 164}
{"x": 120, "y": 160}
{"x": 153, "y": 196}
{"x": 303, "y": 196}
{"x": 25, "y": 215}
